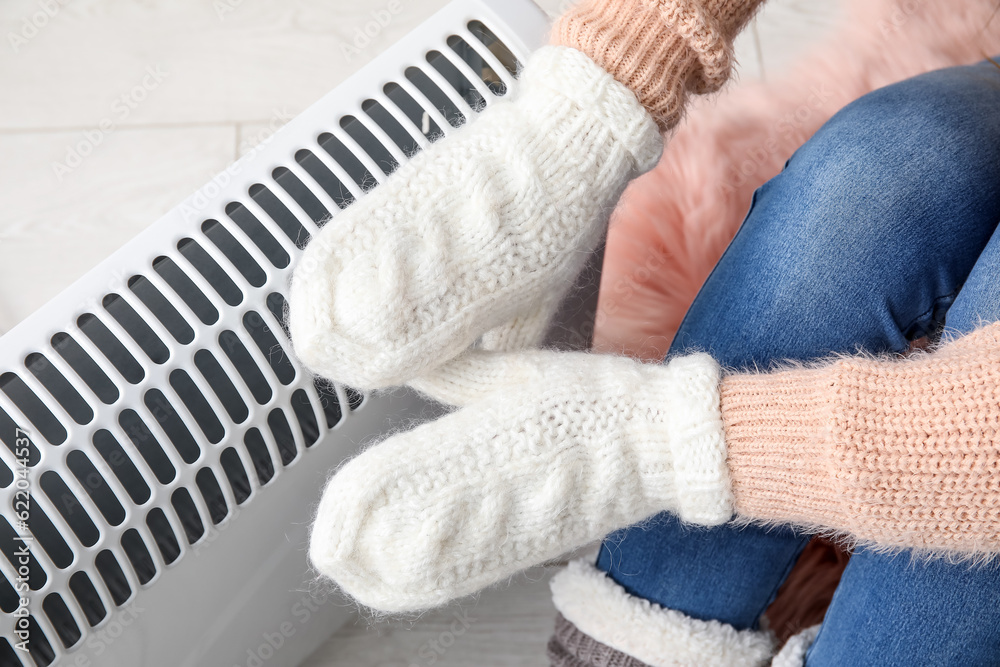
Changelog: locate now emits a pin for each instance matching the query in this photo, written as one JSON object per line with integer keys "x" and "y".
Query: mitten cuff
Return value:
{"x": 681, "y": 440}
{"x": 600, "y": 608}
{"x": 557, "y": 79}
{"x": 660, "y": 49}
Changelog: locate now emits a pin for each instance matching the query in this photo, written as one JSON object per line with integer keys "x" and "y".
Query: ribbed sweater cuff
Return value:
{"x": 896, "y": 452}
{"x": 660, "y": 49}
{"x": 778, "y": 445}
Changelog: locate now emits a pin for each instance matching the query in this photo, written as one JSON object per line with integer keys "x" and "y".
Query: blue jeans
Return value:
{"x": 880, "y": 230}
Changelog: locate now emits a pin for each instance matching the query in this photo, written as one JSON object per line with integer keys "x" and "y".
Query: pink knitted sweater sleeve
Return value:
{"x": 660, "y": 49}
{"x": 900, "y": 453}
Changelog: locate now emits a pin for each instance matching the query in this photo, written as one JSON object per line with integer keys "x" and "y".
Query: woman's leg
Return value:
{"x": 907, "y": 611}
{"x": 861, "y": 243}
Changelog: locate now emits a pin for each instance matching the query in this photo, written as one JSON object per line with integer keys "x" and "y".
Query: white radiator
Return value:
{"x": 163, "y": 447}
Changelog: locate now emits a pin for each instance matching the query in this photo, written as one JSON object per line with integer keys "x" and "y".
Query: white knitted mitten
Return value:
{"x": 552, "y": 451}
{"x": 482, "y": 231}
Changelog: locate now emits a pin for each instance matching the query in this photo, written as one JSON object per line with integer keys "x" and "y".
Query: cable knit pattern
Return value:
{"x": 597, "y": 606}
{"x": 486, "y": 229}
{"x": 899, "y": 453}
{"x": 566, "y": 447}
{"x": 660, "y": 49}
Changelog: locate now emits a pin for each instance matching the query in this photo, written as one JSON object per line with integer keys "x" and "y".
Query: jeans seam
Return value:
{"x": 930, "y": 311}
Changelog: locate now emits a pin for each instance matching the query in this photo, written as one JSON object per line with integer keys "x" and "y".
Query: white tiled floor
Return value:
{"x": 188, "y": 85}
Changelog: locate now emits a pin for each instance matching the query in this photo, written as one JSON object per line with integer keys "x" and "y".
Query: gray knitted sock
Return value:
{"x": 569, "y": 647}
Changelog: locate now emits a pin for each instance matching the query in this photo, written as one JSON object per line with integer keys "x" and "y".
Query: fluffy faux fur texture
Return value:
{"x": 674, "y": 223}
{"x": 659, "y": 637}
{"x": 793, "y": 654}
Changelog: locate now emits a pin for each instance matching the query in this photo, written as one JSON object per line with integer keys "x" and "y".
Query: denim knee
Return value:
{"x": 868, "y": 233}
{"x": 932, "y": 134}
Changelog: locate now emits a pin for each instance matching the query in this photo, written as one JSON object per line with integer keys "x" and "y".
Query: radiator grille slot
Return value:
{"x": 163, "y": 534}
{"x": 291, "y": 184}
{"x": 96, "y": 486}
{"x": 458, "y": 81}
{"x": 417, "y": 115}
{"x": 277, "y": 305}
{"x": 85, "y": 367}
{"x": 355, "y": 399}
{"x": 8, "y": 656}
{"x": 145, "y": 442}
{"x": 114, "y": 577}
{"x": 256, "y": 232}
{"x": 282, "y": 434}
{"x": 328, "y": 402}
{"x": 137, "y": 328}
{"x": 349, "y": 162}
{"x": 437, "y": 98}
{"x": 280, "y": 214}
{"x": 279, "y": 361}
{"x": 49, "y": 538}
{"x": 8, "y": 596}
{"x": 122, "y": 467}
{"x": 186, "y": 290}
{"x": 325, "y": 178}
{"x": 245, "y": 366}
{"x": 162, "y": 309}
{"x": 138, "y": 555}
{"x": 223, "y": 387}
{"x": 210, "y": 490}
{"x": 33, "y": 408}
{"x": 172, "y": 424}
{"x": 196, "y": 404}
{"x": 303, "y": 409}
{"x": 257, "y": 450}
{"x": 68, "y": 505}
{"x": 61, "y": 619}
{"x": 88, "y": 598}
{"x": 236, "y": 474}
{"x": 112, "y": 348}
{"x": 6, "y": 476}
{"x": 388, "y": 123}
{"x": 478, "y": 64}
{"x": 187, "y": 512}
{"x": 59, "y": 388}
{"x": 8, "y": 433}
{"x": 374, "y": 148}
{"x": 496, "y": 47}
{"x": 234, "y": 252}
{"x": 39, "y": 647}
{"x": 210, "y": 270}
{"x": 36, "y": 575}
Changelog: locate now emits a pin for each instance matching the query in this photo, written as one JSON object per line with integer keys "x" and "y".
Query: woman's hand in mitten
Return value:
{"x": 551, "y": 451}
{"x": 484, "y": 230}
{"x": 477, "y": 238}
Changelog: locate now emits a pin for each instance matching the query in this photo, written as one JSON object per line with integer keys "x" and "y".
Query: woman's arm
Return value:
{"x": 660, "y": 49}
{"x": 478, "y": 237}
{"x": 899, "y": 453}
